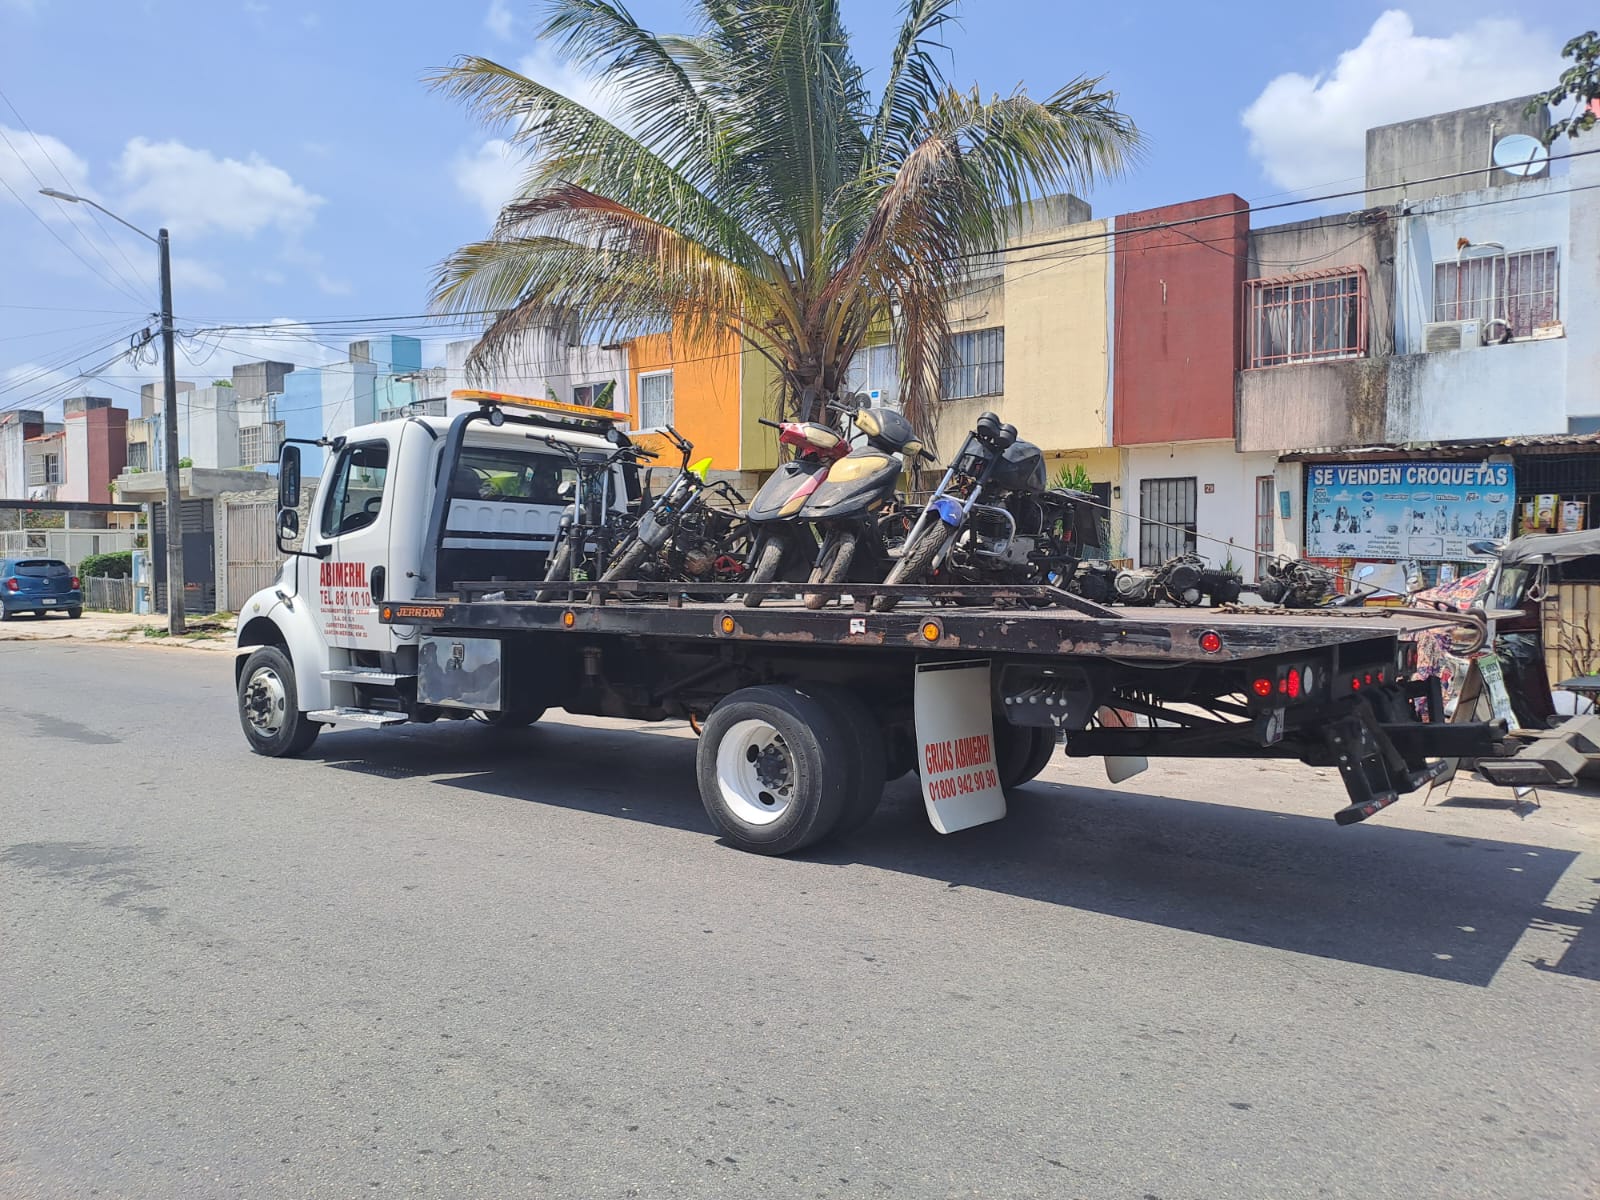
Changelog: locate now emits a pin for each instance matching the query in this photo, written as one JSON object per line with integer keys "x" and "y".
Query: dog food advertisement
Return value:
{"x": 1401, "y": 510}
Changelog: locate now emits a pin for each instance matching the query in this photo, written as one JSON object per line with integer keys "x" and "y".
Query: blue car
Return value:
{"x": 38, "y": 585}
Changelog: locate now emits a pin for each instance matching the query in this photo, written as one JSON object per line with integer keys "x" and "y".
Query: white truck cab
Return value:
{"x": 366, "y": 542}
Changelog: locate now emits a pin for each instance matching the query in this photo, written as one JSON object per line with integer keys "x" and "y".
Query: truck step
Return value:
{"x": 367, "y": 675}
{"x": 356, "y": 716}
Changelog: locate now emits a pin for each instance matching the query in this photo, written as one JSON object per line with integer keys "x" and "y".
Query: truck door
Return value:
{"x": 353, "y": 524}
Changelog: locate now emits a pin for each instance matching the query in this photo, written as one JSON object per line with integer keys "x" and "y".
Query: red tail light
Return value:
{"x": 76, "y": 583}
{"x": 1262, "y": 687}
{"x": 1294, "y": 683}
{"x": 13, "y": 586}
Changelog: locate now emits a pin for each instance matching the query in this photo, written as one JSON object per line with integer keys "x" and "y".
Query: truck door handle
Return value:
{"x": 377, "y": 578}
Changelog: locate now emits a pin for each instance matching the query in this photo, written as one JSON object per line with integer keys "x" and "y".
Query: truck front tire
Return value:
{"x": 269, "y": 706}
{"x": 776, "y": 770}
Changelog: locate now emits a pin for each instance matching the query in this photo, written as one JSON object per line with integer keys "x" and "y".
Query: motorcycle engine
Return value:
{"x": 700, "y": 563}
{"x": 1134, "y": 585}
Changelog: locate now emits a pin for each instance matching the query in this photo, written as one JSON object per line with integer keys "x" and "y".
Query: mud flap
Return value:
{"x": 955, "y": 745}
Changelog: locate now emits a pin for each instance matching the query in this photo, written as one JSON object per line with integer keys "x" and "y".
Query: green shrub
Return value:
{"x": 108, "y": 566}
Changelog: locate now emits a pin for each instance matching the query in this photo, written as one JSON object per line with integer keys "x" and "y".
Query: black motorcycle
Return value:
{"x": 992, "y": 519}
{"x": 589, "y": 526}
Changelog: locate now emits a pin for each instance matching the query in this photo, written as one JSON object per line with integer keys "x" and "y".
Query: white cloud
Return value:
{"x": 195, "y": 192}
{"x": 26, "y": 158}
{"x": 489, "y": 175}
{"x": 543, "y": 67}
{"x": 1310, "y": 131}
{"x": 191, "y": 273}
{"x": 500, "y": 20}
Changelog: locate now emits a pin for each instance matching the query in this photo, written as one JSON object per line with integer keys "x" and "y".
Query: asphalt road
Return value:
{"x": 446, "y": 961}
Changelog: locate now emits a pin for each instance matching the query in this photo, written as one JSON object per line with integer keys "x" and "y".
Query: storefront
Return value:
{"x": 1413, "y": 515}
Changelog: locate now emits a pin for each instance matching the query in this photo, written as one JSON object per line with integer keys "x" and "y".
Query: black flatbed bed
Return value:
{"x": 676, "y": 612}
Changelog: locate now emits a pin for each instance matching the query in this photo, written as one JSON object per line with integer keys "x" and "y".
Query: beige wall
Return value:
{"x": 1054, "y": 314}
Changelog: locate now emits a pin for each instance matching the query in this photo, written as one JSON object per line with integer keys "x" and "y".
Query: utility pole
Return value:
{"x": 169, "y": 422}
{"x": 169, "y": 413}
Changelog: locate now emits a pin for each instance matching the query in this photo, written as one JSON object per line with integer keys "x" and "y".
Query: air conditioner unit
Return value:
{"x": 1451, "y": 335}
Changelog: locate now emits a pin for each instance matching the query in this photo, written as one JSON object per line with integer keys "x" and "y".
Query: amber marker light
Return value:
{"x": 569, "y": 618}
{"x": 932, "y": 631}
{"x": 727, "y": 624}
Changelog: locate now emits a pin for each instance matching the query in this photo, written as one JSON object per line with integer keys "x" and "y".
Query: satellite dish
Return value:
{"x": 1520, "y": 154}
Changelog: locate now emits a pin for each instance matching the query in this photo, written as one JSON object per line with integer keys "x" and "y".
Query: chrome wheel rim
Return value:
{"x": 266, "y": 702}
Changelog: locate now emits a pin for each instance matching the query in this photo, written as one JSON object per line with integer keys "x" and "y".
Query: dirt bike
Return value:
{"x": 589, "y": 526}
{"x": 992, "y": 519}
{"x": 683, "y": 536}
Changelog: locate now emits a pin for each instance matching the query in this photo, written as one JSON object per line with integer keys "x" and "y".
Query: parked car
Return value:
{"x": 40, "y": 586}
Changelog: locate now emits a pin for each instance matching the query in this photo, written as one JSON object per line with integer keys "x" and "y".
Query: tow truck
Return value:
{"x": 410, "y": 597}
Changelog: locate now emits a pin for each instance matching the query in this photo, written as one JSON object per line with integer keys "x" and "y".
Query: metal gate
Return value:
{"x": 199, "y": 555}
{"x": 253, "y": 557}
{"x": 1166, "y": 519}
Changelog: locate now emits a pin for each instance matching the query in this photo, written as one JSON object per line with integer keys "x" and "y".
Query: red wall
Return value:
{"x": 107, "y": 433}
{"x": 1176, "y": 330}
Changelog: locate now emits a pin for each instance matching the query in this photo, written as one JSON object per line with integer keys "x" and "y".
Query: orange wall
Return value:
{"x": 705, "y": 390}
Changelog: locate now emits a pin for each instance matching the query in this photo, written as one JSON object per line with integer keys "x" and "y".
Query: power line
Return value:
{"x": 1248, "y": 210}
{"x": 88, "y": 241}
{"x": 93, "y": 215}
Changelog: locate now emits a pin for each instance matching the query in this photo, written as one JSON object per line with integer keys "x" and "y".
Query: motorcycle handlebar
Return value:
{"x": 769, "y": 424}
{"x": 925, "y": 455}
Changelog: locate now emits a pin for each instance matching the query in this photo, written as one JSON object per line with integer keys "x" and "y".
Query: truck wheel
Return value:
{"x": 508, "y": 718}
{"x": 775, "y": 769}
{"x": 1021, "y": 752}
{"x": 916, "y": 561}
{"x": 768, "y": 558}
{"x": 833, "y": 564}
{"x": 269, "y": 706}
{"x": 869, "y": 755}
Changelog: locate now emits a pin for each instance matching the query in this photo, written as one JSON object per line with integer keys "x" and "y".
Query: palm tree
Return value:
{"x": 749, "y": 180}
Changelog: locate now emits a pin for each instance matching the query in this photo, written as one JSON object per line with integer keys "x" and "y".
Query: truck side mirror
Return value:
{"x": 289, "y": 478}
{"x": 288, "y": 524}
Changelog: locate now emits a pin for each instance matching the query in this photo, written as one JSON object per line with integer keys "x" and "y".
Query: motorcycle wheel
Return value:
{"x": 627, "y": 564}
{"x": 558, "y": 570}
{"x": 768, "y": 557}
{"x": 916, "y": 562}
{"x": 833, "y": 564}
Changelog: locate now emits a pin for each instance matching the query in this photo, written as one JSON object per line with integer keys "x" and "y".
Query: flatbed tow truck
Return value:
{"x": 411, "y": 598}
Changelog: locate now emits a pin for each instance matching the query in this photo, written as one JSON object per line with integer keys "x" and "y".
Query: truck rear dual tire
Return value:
{"x": 781, "y": 768}
{"x": 269, "y": 706}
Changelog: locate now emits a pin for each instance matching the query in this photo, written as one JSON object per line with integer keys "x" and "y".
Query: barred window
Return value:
{"x": 974, "y": 364}
{"x": 1518, "y": 288}
{"x": 1307, "y": 318}
{"x": 655, "y": 400}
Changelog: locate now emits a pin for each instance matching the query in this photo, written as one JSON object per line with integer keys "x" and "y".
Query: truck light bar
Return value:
{"x": 581, "y": 411}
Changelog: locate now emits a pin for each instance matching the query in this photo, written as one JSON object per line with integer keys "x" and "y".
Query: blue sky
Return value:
{"x": 307, "y": 173}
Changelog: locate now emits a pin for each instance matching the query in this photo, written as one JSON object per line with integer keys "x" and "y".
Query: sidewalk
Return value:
{"x": 122, "y": 629}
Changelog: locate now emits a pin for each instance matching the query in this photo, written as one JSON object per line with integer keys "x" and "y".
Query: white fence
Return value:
{"x": 69, "y": 545}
